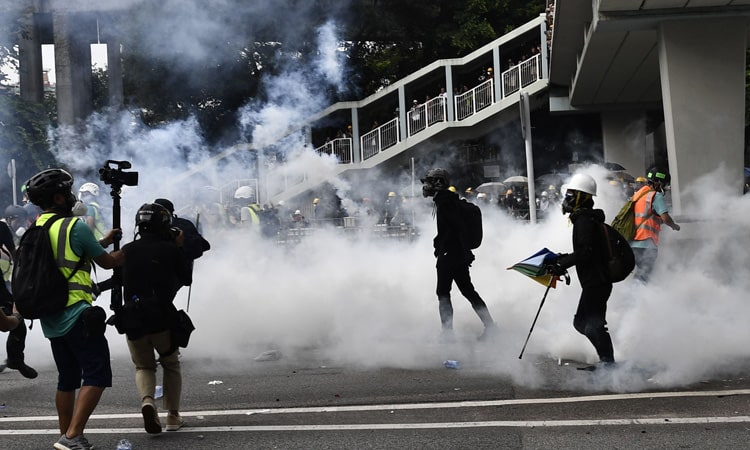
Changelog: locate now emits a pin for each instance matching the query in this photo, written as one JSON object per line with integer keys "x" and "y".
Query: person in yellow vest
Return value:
{"x": 87, "y": 194}
{"x": 76, "y": 334}
{"x": 250, "y": 210}
{"x": 650, "y": 213}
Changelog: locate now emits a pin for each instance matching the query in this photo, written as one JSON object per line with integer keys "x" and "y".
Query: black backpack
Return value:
{"x": 620, "y": 258}
{"x": 39, "y": 288}
{"x": 471, "y": 214}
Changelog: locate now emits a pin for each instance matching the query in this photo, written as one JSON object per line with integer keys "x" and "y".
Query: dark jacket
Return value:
{"x": 589, "y": 248}
{"x": 451, "y": 239}
{"x": 195, "y": 244}
{"x": 155, "y": 269}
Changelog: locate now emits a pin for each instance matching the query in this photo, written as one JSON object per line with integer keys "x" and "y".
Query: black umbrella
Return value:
{"x": 613, "y": 166}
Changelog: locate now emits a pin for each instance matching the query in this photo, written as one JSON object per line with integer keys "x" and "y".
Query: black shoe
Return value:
{"x": 25, "y": 370}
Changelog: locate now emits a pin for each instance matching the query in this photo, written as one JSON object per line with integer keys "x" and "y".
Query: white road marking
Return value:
{"x": 414, "y": 406}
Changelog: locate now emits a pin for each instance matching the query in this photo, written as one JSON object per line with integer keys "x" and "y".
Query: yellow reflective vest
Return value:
{"x": 80, "y": 284}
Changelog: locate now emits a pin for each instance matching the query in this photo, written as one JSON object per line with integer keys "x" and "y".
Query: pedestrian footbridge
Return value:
{"x": 447, "y": 100}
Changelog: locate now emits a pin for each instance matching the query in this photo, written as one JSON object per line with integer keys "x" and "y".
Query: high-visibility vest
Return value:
{"x": 253, "y": 212}
{"x": 80, "y": 284}
{"x": 100, "y": 229}
{"x": 647, "y": 224}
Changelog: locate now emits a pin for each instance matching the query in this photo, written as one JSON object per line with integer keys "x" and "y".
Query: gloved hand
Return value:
{"x": 555, "y": 269}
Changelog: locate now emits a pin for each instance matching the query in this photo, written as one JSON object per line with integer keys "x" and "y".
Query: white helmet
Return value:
{"x": 88, "y": 188}
{"x": 244, "y": 192}
{"x": 583, "y": 183}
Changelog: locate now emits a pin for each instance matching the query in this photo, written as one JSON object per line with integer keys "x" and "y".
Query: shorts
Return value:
{"x": 79, "y": 356}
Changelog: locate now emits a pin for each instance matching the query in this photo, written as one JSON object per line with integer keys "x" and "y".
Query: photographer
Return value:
{"x": 155, "y": 268}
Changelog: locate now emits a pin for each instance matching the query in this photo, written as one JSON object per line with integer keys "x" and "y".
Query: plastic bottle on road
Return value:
{"x": 451, "y": 364}
{"x": 158, "y": 392}
{"x": 124, "y": 444}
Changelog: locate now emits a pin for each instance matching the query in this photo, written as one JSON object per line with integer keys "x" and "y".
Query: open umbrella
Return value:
{"x": 516, "y": 179}
{"x": 613, "y": 166}
{"x": 493, "y": 187}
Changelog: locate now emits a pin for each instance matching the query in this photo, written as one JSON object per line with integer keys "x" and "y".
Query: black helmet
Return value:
{"x": 658, "y": 174}
{"x": 43, "y": 185}
{"x": 153, "y": 217}
{"x": 435, "y": 180}
{"x": 165, "y": 203}
{"x": 15, "y": 212}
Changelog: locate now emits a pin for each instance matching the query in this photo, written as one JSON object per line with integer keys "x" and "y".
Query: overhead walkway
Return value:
{"x": 418, "y": 111}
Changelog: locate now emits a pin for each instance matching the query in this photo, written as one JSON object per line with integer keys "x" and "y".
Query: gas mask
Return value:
{"x": 572, "y": 200}
{"x": 431, "y": 186}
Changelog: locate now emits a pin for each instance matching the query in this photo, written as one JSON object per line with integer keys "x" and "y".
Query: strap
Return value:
{"x": 644, "y": 193}
{"x": 81, "y": 261}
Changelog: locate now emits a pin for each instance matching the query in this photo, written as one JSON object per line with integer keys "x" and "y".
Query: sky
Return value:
{"x": 98, "y": 59}
{"x": 368, "y": 303}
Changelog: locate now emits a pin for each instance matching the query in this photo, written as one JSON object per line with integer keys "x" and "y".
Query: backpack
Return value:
{"x": 471, "y": 214}
{"x": 620, "y": 259}
{"x": 39, "y": 288}
{"x": 624, "y": 221}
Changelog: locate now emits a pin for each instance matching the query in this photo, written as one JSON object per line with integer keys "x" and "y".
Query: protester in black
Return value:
{"x": 453, "y": 253}
{"x": 195, "y": 243}
{"x": 155, "y": 268}
{"x": 16, "y": 343}
{"x": 590, "y": 258}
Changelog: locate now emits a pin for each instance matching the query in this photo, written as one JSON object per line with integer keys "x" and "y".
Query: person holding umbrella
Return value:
{"x": 590, "y": 258}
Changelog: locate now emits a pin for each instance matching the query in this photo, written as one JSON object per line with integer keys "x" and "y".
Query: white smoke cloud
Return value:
{"x": 365, "y": 301}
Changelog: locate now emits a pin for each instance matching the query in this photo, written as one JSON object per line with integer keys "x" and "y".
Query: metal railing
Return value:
{"x": 474, "y": 100}
{"x": 379, "y": 139}
{"x": 341, "y": 148}
{"x": 521, "y": 75}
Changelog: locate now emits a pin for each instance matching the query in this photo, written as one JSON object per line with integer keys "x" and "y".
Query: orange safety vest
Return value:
{"x": 647, "y": 224}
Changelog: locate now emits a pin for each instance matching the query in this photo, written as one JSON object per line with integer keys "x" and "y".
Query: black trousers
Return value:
{"x": 448, "y": 271}
{"x": 590, "y": 320}
{"x": 16, "y": 343}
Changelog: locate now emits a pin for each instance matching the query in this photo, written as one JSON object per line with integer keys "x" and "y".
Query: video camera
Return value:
{"x": 115, "y": 176}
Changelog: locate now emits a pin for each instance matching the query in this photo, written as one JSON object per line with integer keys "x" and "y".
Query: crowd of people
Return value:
{"x": 150, "y": 270}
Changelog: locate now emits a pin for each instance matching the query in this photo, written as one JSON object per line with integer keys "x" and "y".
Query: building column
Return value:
{"x": 30, "y": 60}
{"x": 702, "y": 65}
{"x": 624, "y": 140}
{"x": 72, "y": 68}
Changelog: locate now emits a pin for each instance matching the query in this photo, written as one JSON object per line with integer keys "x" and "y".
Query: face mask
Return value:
{"x": 79, "y": 208}
{"x": 568, "y": 203}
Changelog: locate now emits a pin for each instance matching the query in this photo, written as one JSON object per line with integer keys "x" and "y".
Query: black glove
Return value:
{"x": 555, "y": 269}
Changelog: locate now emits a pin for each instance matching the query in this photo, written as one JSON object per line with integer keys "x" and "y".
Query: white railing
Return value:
{"x": 474, "y": 100}
{"x": 521, "y": 75}
{"x": 341, "y": 148}
{"x": 437, "y": 110}
{"x": 379, "y": 139}
{"x": 417, "y": 119}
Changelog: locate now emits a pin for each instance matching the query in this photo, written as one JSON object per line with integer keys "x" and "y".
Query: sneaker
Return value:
{"x": 150, "y": 417}
{"x": 25, "y": 370}
{"x": 174, "y": 422}
{"x": 77, "y": 443}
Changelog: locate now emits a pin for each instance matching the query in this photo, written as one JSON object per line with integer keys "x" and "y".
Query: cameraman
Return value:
{"x": 155, "y": 268}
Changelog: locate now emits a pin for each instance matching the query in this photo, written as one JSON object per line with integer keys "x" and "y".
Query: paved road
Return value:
{"x": 307, "y": 401}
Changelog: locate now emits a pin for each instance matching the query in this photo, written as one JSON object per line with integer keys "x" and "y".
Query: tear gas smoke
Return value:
{"x": 371, "y": 303}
